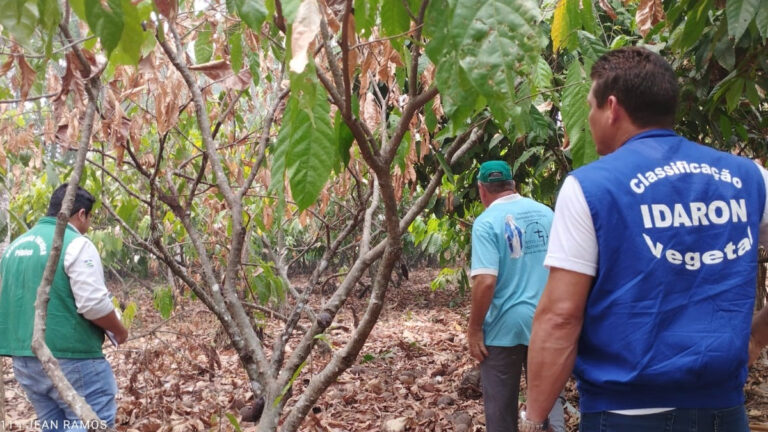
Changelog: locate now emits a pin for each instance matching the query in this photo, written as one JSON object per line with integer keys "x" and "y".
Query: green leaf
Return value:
{"x": 290, "y": 9}
{"x": 394, "y": 19}
{"x": 484, "y": 49}
{"x": 761, "y": 19}
{"x": 127, "y": 210}
{"x": 525, "y": 156}
{"x": 289, "y": 383}
{"x": 575, "y": 111}
{"x": 129, "y": 314}
{"x": 588, "y": 19}
{"x": 252, "y": 12}
{"x": 235, "y": 40}
{"x": 733, "y": 94}
{"x": 128, "y": 50}
{"x": 344, "y": 139}
{"x": 309, "y": 143}
{"x": 233, "y": 421}
{"x": 20, "y": 20}
{"x": 50, "y": 14}
{"x": 254, "y": 66}
{"x": 695, "y": 22}
{"x": 365, "y": 15}
{"x": 163, "y": 301}
{"x": 740, "y": 14}
{"x": 106, "y": 24}
{"x": 203, "y": 45}
{"x": 542, "y": 75}
{"x": 591, "y": 47}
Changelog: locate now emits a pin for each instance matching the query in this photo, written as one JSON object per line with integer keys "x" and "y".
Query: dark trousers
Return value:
{"x": 732, "y": 419}
{"x": 500, "y": 375}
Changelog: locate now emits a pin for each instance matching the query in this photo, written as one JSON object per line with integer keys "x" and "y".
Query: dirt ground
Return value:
{"x": 413, "y": 373}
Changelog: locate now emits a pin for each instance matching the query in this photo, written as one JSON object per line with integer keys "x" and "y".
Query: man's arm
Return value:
{"x": 112, "y": 323}
{"x": 483, "y": 286}
{"x": 554, "y": 339}
{"x": 82, "y": 264}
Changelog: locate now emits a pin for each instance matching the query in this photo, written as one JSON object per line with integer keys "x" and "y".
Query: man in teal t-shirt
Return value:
{"x": 509, "y": 242}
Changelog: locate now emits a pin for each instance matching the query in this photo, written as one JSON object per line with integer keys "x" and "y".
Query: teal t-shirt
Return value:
{"x": 509, "y": 240}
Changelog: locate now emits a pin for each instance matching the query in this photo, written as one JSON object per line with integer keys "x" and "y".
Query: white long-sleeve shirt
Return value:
{"x": 82, "y": 264}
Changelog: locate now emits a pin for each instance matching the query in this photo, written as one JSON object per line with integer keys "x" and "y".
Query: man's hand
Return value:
{"x": 475, "y": 341}
{"x": 112, "y": 323}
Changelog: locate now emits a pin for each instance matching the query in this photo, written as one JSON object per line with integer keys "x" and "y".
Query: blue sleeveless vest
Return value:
{"x": 667, "y": 321}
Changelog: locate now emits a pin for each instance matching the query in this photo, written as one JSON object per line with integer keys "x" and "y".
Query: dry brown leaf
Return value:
{"x": 354, "y": 57}
{"x": 6, "y": 66}
{"x": 27, "y": 76}
{"x": 239, "y": 82}
{"x": 305, "y": 28}
{"x": 649, "y": 13}
{"x": 215, "y": 70}
{"x": 608, "y": 9}
{"x": 167, "y": 8}
{"x": 371, "y": 112}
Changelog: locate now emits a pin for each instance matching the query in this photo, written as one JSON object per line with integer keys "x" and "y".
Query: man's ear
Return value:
{"x": 614, "y": 108}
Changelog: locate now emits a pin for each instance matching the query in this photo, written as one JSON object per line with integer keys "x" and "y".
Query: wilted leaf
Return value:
{"x": 649, "y": 13}
{"x": 27, "y": 76}
{"x": 608, "y": 9}
{"x": 167, "y": 8}
{"x": 305, "y": 29}
{"x": 6, "y": 66}
{"x": 214, "y": 70}
{"x": 239, "y": 81}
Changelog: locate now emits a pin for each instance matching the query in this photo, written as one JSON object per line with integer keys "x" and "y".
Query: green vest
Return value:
{"x": 68, "y": 334}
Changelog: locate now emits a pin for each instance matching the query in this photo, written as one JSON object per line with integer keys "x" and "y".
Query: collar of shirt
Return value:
{"x": 506, "y": 199}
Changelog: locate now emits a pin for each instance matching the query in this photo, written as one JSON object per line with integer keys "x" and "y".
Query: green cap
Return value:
{"x": 494, "y": 171}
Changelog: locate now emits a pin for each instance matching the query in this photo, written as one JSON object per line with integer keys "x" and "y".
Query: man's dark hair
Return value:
{"x": 642, "y": 82}
{"x": 500, "y": 186}
{"x": 83, "y": 200}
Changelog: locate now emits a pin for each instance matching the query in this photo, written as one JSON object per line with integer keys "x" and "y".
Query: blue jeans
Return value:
{"x": 732, "y": 419}
{"x": 92, "y": 379}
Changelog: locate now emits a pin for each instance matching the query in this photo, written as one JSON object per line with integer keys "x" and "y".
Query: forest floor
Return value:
{"x": 413, "y": 374}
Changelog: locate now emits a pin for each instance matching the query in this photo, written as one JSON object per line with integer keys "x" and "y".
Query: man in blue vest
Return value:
{"x": 509, "y": 242}
{"x": 652, "y": 263}
{"x": 79, "y": 312}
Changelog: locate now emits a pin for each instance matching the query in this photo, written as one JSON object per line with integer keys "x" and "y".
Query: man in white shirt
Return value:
{"x": 80, "y": 310}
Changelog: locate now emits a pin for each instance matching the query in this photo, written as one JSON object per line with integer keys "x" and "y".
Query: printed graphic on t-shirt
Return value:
{"x": 536, "y": 236}
{"x": 693, "y": 214}
{"x": 514, "y": 236}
